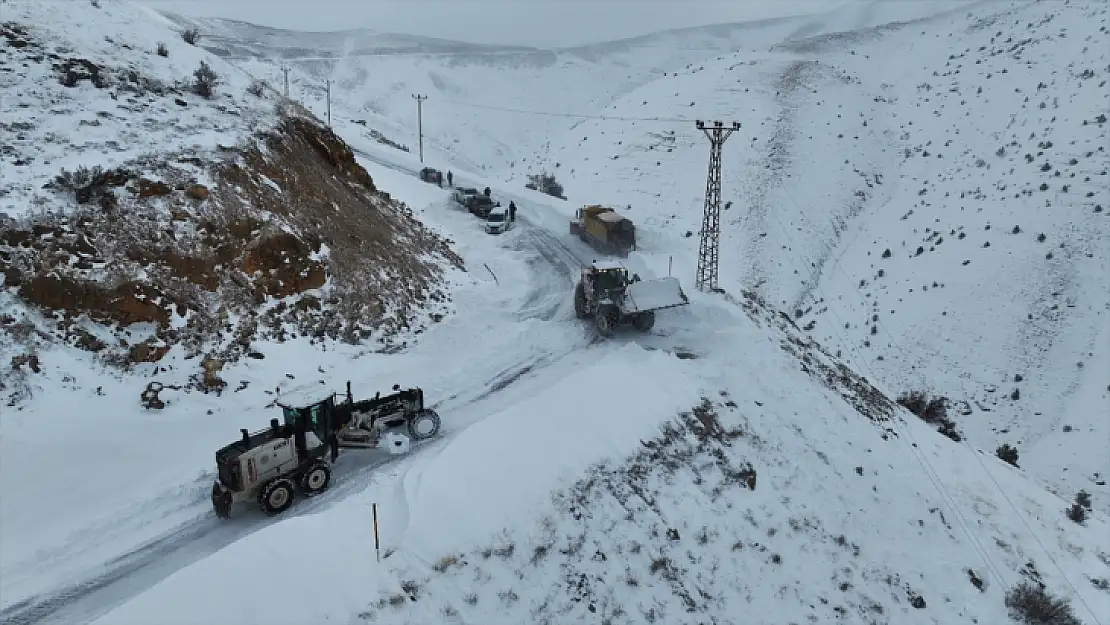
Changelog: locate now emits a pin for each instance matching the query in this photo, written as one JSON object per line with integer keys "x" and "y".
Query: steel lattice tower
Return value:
{"x": 709, "y": 250}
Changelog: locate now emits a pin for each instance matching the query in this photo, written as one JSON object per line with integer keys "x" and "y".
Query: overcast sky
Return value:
{"x": 525, "y": 22}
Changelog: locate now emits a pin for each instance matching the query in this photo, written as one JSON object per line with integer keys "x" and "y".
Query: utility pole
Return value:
{"x": 420, "y": 121}
{"x": 285, "y": 70}
{"x": 710, "y": 248}
{"x": 329, "y": 103}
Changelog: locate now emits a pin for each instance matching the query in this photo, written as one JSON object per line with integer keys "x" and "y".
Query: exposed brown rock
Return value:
{"x": 130, "y": 302}
{"x": 152, "y": 188}
{"x": 145, "y": 352}
{"x": 198, "y": 271}
{"x": 230, "y": 246}
{"x": 197, "y": 192}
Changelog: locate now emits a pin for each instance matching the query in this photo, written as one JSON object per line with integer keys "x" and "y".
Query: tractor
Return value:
{"x": 269, "y": 465}
{"x": 606, "y": 293}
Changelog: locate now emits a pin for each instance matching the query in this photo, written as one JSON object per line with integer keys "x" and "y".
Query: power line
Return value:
{"x": 664, "y": 120}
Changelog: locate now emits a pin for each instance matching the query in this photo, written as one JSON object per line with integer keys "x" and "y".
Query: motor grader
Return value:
{"x": 269, "y": 465}
{"x": 606, "y": 293}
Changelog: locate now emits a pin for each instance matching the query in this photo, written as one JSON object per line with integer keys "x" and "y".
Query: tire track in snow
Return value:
{"x": 132, "y": 573}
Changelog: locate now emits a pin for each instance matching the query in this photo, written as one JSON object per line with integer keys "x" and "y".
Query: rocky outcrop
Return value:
{"x": 288, "y": 219}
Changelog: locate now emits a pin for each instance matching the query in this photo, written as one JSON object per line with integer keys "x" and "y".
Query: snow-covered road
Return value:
{"x": 466, "y": 363}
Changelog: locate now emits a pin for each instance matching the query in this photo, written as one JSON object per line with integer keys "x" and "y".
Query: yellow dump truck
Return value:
{"x": 604, "y": 229}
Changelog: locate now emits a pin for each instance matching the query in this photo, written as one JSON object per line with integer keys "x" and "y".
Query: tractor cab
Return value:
{"x": 609, "y": 279}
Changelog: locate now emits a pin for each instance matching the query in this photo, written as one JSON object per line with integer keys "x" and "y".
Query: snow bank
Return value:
{"x": 306, "y": 569}
{"x": 500, "y": 472}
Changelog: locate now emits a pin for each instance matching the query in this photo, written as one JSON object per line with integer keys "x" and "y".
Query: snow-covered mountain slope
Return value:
{"x": 156, "y": 212}
{"x": 473, "y": 117}
{"x": 794, "y": 492}
{"x": 930, "y": 199}
{"x": 723, "y": 467}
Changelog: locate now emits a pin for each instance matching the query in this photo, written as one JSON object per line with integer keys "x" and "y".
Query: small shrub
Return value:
{"x": 163, "y": 50}
{"x": 1078, "y": 511}
{"x": 933, "y": 411}
{"x": 95, "y": 3}
{"x": 205, "y": 81}
{"x": 1083, "y": 498}
{"x": 191, "y": 36}
{"x": 445, "y": 563}
{"x": 257, "y": 88}
{"x": 1030, "y": 604}
{"x": 78, "y": 178}
{"x": 1007, "y": 454}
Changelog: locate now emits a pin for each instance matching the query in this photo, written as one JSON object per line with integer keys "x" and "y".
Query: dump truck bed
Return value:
{"x": 654, "y": 294}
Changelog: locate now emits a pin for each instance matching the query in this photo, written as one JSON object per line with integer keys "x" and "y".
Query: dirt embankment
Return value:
{"x": 285, "y": 235}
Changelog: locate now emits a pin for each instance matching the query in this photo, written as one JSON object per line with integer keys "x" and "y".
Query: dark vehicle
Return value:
{"x": 433, "y": 176}
{"x": 480, "y": 205}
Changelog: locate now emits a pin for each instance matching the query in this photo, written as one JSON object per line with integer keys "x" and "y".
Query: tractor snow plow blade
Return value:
{"x": 221, "y": 500}
{"x": 656, "y": 294}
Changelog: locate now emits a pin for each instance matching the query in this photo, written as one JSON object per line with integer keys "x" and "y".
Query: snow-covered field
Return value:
{"x": 721, "y": 468}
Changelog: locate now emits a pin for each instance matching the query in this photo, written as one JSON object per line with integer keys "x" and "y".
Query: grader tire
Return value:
{"x": 276, "y": 497}
{"x": 423, "y": 425}
{"x": 580, "y": 309}
{"x": 316, "y": 479}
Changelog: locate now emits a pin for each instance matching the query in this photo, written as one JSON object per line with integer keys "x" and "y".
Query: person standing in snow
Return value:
{"x": 512, "y": 211}
{"x": 450, "y": 178}
{"x": 486, "y": 192}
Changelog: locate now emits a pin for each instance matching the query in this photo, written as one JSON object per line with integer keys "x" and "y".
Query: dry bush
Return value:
{"x": 1031, "y": 604}
{"x": 205, "y": 80}
{"x": 191, "y": 36}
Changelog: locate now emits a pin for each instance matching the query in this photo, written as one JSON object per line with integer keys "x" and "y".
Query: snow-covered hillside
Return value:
{"x": 153, "y": 208}
{"x": 726, "y": 466}
{"x": 479, "y": 97}
{"x": 929, "y": 199}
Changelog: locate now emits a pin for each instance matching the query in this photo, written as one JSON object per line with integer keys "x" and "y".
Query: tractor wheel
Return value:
{"x": 644, "y": 321}
{"x": 606, "y": 319}
{"x": 316, "y": 479}
{"x": 580, "y": 309}
{"x": 276, "y": 496}
{"x": 424, "y": 424}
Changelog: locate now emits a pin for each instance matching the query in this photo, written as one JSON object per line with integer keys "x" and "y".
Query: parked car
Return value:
{"x": 480, "y": 205}
{"x": 498, "y": 221}
{"x": 431, "y": 175}
{"x": 463, "y": 194}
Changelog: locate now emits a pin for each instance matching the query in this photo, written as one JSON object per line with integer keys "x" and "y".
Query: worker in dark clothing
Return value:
{"x": 450, "y": 178}
{"x": 512, "y": 211}
{"x": 486, "y": 192}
